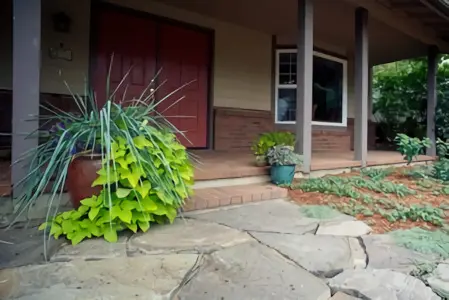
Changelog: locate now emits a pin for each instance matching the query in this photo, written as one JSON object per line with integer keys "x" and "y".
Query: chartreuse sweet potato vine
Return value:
{"x": 135, "y": 192}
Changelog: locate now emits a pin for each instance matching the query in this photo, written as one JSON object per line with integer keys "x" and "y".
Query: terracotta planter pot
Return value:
{"x": 81, "y": 174}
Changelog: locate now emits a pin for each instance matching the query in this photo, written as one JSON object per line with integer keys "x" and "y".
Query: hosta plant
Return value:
{"x": 283, "y": 156}
{"x": 267, "y": 140}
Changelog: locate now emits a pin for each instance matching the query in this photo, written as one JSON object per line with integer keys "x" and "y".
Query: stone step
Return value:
{"x": 231, "y": 195}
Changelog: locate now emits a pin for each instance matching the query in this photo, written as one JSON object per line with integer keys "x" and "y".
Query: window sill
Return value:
{"x": 314, "y": 123}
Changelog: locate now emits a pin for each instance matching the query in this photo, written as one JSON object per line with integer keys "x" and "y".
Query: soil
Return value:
{"x": 379, "y": 224}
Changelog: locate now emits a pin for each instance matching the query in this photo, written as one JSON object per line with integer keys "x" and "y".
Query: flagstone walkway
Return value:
{"x": 265, "y": 250}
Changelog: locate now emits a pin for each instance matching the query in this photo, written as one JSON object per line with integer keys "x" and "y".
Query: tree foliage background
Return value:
{"x": 400, "y": 98}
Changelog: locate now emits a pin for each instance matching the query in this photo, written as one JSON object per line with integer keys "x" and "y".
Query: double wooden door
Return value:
{"x": 145, "y": 47}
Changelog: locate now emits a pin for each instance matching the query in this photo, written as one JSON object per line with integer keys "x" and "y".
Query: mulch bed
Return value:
{"x": 378, "y": 223}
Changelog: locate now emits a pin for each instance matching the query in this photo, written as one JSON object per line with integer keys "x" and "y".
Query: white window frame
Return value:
{"x": 278, "y": 86}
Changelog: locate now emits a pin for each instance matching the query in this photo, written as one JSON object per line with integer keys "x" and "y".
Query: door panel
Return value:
{"x": 183, "y": 61}
{"x": 141, "y": 46}
{"x": 130, "y": 42}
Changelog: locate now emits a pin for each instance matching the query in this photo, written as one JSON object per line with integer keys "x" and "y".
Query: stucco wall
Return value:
{"x": 55, "y": 71}
{"x": 242, "y": 62}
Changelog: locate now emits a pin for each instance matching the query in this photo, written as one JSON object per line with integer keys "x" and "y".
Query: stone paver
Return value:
{"x": 186, "y": 235}
{"x": 324, "y": 256}
{"x": 383, "y": 253}
{"x": 439, "y": 280}
{"x": 266, "y": 250}
{"x": 270, "y": 216}
{"x": 344, "y": 228}
{"x": 252, "y": 271}
{"x": 24, "y": 246}
{"x": 381, "y": 285}
{"x": 151, "y": 277}
{"x": 342, "y": 296}
{"x": 92, "y": 249}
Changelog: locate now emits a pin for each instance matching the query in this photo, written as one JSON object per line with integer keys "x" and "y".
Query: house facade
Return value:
{"x": 251, "y": 66}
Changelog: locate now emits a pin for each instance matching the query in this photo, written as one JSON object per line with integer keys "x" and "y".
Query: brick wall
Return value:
{"x": 371, "y": 133}
{"x": 330, "y": 140}
{"x": 236, "y": 129}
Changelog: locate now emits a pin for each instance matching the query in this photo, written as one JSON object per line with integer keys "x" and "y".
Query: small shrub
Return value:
{"x": 283, "y": 156}
{"x": 410, "y": 147}
{"x": 441, "y": 169}
{"x": 267, "y": 140}
{"x": 419, "y": 172}
{"x": 428, "y": 213}
{"x": 442, "y": 148}
{"x": 376, "y": 174}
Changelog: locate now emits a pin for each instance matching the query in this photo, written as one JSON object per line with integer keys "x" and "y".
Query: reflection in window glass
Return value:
{"x": 328, "y": 78}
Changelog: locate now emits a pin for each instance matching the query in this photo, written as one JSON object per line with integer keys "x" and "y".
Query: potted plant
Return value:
{"x": 121, "y": 163}
{"x": 283, "y": 161}
{"x": 267, "y": 140}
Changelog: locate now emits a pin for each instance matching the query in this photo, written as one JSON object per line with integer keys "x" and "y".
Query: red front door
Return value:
{"x": 184, "y": 59}
{"x": 144, "y": 46}
{"x": 129, "y": 42}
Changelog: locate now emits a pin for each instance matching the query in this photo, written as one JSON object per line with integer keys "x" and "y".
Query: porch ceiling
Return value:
{"x": 434, "y": 14}
{"x": 333, "y": 24}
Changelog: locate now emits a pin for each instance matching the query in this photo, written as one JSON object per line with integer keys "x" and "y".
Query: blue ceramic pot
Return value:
{"x": 282, "y": 174}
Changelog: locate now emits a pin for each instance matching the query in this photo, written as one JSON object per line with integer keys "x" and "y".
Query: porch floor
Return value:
{"x": 221, "y": 165}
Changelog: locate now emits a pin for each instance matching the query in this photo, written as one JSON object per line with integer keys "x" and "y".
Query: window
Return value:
{"x": 329, "y": 89}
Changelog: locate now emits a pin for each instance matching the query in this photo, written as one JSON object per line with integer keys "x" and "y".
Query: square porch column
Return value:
{"x": 361, "y": 88}
{"x": 26, "y": 80}
{"x": 304, "y": 78}
{"x": 432, "y": 63}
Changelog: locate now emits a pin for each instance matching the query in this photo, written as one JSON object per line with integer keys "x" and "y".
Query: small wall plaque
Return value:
{"x": 60, "y": 53}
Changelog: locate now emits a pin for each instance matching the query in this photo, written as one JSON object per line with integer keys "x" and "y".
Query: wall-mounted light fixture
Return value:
{"x": 61, "y": 22}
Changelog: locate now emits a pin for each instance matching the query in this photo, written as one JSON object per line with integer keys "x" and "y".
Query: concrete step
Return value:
{"x": 206, "y": 198}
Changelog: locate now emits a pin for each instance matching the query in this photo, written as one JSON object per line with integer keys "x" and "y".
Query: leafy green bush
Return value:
{"x": 133, "y": 196}
{"x": 411, "y": 147}
{"x": 283, "y": 156}
{"x": 267, "y": 140}
{"x": 376, "y": 174}
{"x": 441, "y": 169}
{"x": 442, "y": 148}
{"x": 427, "y": 213}
{"x": 345, "y": 186}
{"x": 400, "y": 99}
{"x": 146, "y": 173}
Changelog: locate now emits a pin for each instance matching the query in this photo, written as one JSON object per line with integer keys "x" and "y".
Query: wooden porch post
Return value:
{"x": 26, "y": 80}
{"x": 370, "y": 93}
{"x": 432, "y": 63}
{"x": 361, "y": 86}
{"x": 304, "y": 78}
